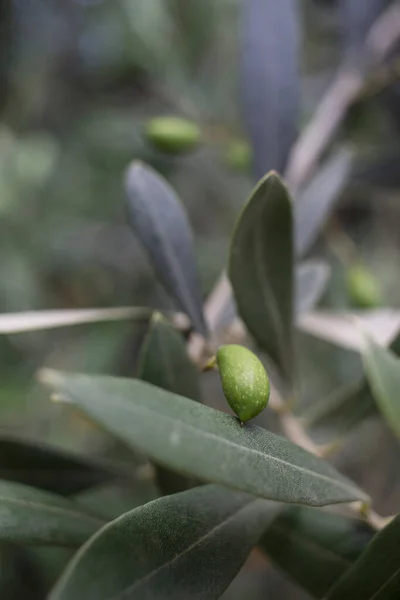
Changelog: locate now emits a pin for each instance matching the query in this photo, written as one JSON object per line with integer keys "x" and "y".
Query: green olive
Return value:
{"x": 238, "y": 156}
{"x": 362, "y": 287}
{"x": 173, "y": 135}
{"x": 244, "y": 381}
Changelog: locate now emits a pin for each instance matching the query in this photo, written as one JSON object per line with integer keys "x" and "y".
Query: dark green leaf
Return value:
{"x": 314, "y": 547}
{"x": 311, "y": 279}
{"x": 50, "y": 562}
{"x": 136, "y": 557}
{"x": 160, "y": 222}
{"x": 376, "y": 574}
{"x": 317, "y": 200}
{"x": 197, "y": 440}
{"x": 270, "y": 80}
{"x": 382, "y": 368}
{"x": 164, "y": 361}
{"x": 31, "y": 516}
{"x": 261, "y": 270}
{"x": 20, "y": 578}
{"x": 48, "y": 468}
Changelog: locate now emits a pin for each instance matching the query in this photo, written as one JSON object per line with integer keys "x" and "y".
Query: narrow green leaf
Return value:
{"x": 30, "y": 516}
{"x": 160, "y": 222}
{"x": 136, "y": 557}
{"x": 311, "y": 279}
{"x": 314, "y": 547}
{"x": 164, "y": 361}
{"x": 318, "y": 199}
{"x": 270, "y": 89}
{"x": 48, "y": 468}
{"x": 382, "y": 368}
{"x": 376, "y": 574}
{"x": 197, "y": 440}
{"x": 261, "y": 270}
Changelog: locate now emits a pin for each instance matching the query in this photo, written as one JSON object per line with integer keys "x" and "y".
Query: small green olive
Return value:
{"x": 172, "y": 135}
{"x": 362, "y": 287}
{"x": 244, "y": 381}
{"x": 238, "y": 156}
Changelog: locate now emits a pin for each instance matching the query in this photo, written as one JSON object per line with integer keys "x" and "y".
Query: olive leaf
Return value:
{"x": 161, "y": 224}
{"x": 376, "y": 574}
{"x": 19, "y": 574}
{"x": 318, "y": 198}
{"x": 270, "y": 89}
{"x": 175, "y": 432}
{"x": 261, "y": 270}
{"x": 313, "y": 547}
{"x": 311, "y": 278}
{"x": 48, "y": 468}
{"x": 136, "y": 556}
{"x": 382, "y": 368}
{"x": 164, "y": 362}
{"x": 31, "y": 516}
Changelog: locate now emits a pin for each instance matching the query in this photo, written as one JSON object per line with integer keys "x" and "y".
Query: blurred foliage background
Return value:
{"x": 79, "y": 80}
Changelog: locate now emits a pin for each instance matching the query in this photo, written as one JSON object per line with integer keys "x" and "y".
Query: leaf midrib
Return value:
{"x": 188, "y": 549}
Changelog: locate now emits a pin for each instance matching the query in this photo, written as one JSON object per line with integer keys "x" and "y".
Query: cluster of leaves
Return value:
{"x": 197, "y": 493}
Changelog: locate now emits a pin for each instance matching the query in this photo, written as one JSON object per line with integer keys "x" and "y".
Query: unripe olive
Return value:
{"x": 173, "y": 135}
{"x": 362, "y": 287}
{"x": 238, "y": 156}
{"x": 244, "y": 381}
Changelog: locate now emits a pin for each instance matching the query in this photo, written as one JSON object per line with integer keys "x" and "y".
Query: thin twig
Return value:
{"x": 340, "y": 96}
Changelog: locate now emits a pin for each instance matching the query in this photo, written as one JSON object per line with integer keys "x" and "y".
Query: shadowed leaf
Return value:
{"x": 160, "y": 222}
{"x": 30, "y": 516}
{"x": 376, "y": 574}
